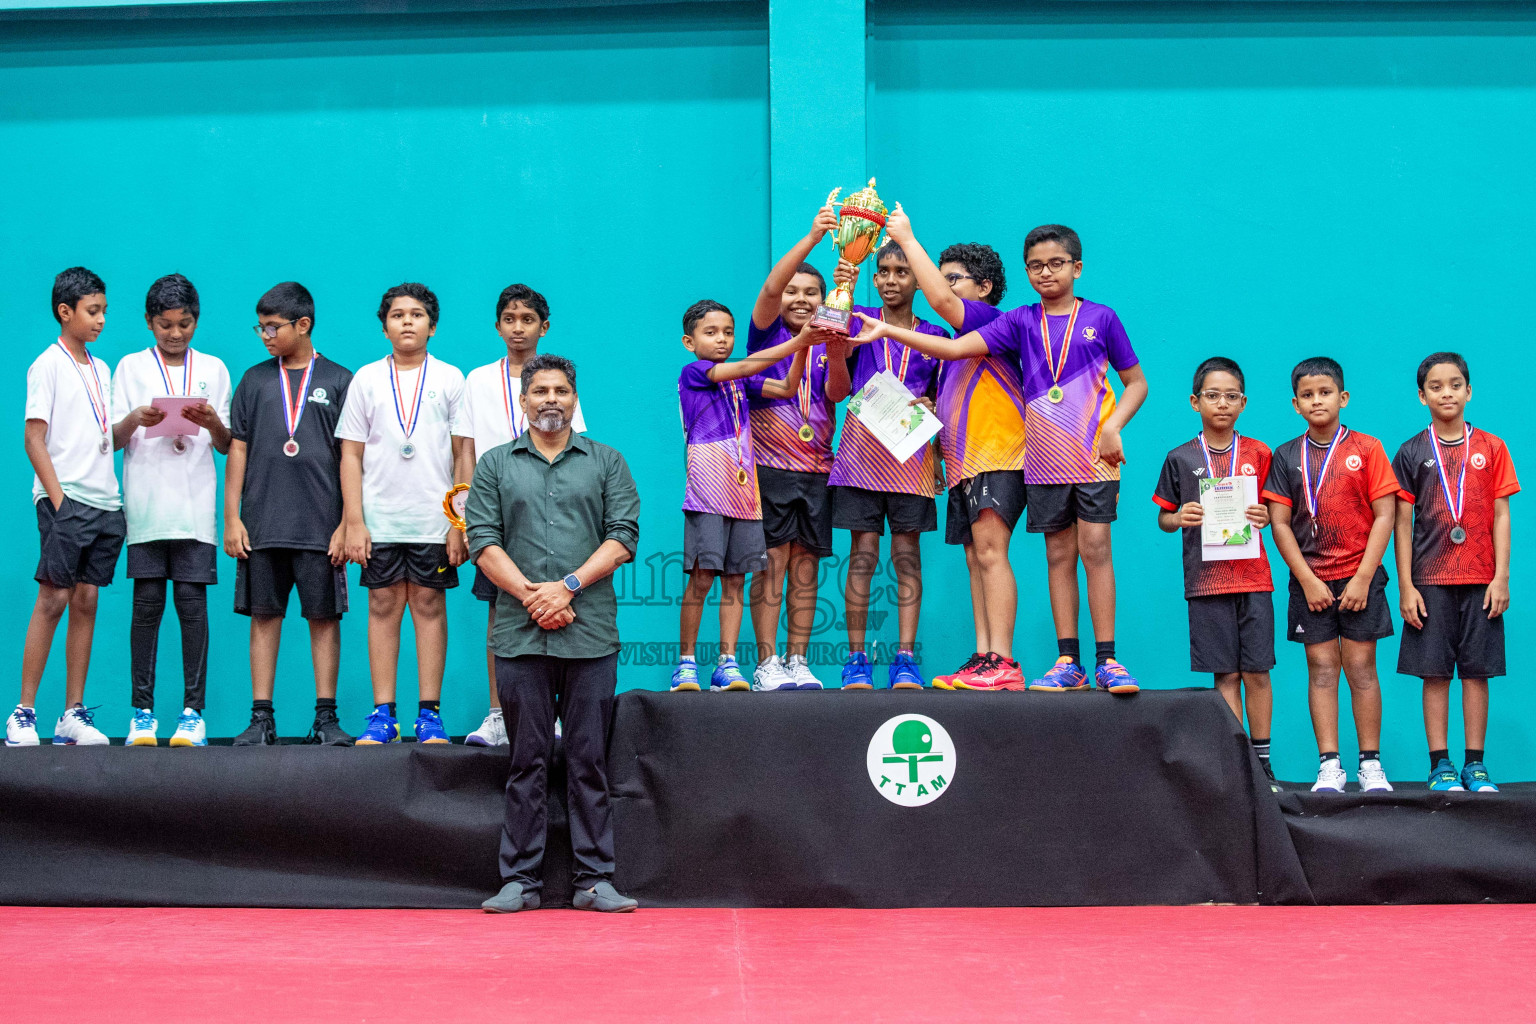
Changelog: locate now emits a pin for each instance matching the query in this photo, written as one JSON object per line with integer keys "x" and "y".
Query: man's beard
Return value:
{"x": 551, "y": 421}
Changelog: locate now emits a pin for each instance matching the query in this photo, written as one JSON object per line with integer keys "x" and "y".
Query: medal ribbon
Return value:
{"x": 1461, "y": 483}
{"x": 165, "y": 373}
{"x": 407, "y": 426}
{"x": 906, "y": 353}
{"x": 506, "y": 399}
{"x": 804, "y": 393}
{"x": 97, "y": 397}
{"x": 734, "y": 388}
{"x": 1210, "y": 467}
{"x": 1309, "y": 490}
{"x": 1057, "y": 366}
{"x": 293, "y": 411}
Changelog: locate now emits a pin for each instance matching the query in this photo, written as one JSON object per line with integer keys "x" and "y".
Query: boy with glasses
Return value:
{"x": 282, "y": 507}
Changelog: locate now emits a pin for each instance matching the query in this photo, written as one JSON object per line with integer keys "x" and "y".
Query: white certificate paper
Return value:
{"x": 1225, "y": 533}
{"x": 884, "y": 406}
{"x": 174, "y": 423}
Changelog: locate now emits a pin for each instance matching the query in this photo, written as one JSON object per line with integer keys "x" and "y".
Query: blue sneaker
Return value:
{"x": 1065, "y": 675}
{"x": 904, "y": 674}
{"x": 1444, "y": 778}
{"x": 190, "y": 730}
{"x": 686, "y": 676}
{"x": 1113, "y": 677}
{"x": 856, "y": 672}
{"x": 381, "y": 728}
{"x": 142, "y": 732}
{"x": 1475, "y": 777}
{"x": 429, "y": 727}
{"x": 727, "y": 675}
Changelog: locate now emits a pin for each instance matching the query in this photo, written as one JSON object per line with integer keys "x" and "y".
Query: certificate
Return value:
{"x": 1225, "y": 532}
{"x": 174, "y": 423}
{"x": 884, "y": 406}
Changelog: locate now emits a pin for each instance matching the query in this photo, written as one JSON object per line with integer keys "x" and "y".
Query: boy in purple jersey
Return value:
{"x": 1066, "y": 346}
{"x": 723, "y": 531}
{"x": 792, "y": 440}
{"x": 981, "y": 404}
{"x": 871, "y": 488}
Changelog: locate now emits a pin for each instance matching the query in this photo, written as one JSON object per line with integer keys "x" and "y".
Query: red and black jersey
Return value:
{"x": 1490, "y": 476}
{"x": 1179, "y": 483}
{"x": 1358, "y": 474}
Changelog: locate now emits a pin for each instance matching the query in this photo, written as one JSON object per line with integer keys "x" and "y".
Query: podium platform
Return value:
{"x": 768, "y": 800}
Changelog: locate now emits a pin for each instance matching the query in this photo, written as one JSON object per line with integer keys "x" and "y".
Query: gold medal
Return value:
{"x": 1055, "y": 394}
{"x": 741, "y": 476}
{"x": 806, "y": 433}
{"x": 1052, "y": 363}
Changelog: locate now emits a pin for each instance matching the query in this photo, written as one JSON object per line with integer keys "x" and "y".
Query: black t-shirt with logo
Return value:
{"x": 290, "y": 502}
{"x": 1179, "y": 483}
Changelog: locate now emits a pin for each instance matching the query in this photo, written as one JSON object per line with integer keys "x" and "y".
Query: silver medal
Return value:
{"x": 407, "y": 450}
{"x": 179, "y": 445}
{"x": 1458, "y": 535}
{"x": 291, "y": 448}
{"x": 105, "y": 447}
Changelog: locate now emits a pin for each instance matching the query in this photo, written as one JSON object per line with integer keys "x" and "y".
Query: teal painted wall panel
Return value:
{"x": 589, "y": 155}
{"x": 1264, "y": 189}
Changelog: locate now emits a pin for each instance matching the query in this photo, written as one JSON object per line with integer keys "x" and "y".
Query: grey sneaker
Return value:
{"x": 603, "y": 898}
{"x": 510, "y": 900}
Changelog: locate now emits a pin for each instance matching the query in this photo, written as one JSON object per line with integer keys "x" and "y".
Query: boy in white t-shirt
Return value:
{"x": 397, "y": 463}
{"x": 169, "y": 489}
{"x": 493, "y": 416}
{"x": 79, "y": 511}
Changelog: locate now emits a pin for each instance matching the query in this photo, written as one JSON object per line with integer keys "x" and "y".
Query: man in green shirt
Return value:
{"x": 551, "y": 515}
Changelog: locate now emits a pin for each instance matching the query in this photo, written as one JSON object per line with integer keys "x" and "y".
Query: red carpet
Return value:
{"x": 1339, "y": 965}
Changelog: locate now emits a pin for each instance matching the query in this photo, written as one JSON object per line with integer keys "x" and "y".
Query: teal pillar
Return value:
{"x": 816, "y": 98}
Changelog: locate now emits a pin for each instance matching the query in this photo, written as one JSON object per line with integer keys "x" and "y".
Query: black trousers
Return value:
{"x": 533, "y": 689}
{"x": 144, "y": 639}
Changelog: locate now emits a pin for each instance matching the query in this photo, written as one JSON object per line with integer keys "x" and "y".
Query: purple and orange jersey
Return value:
{"x": 777, "y": 422}
{"x": 981, "y": 404}
{"x": 722, "y": 474}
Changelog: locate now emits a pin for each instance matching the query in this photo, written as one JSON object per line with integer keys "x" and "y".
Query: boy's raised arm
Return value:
{"x": 964, "y": 347}
{"x": 935, "y": 289}
{"x": 757, "y": 362}
{"x": 766, "y": 309}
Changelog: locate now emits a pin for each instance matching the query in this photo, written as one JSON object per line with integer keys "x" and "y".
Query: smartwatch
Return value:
{"x": 572, "y": 583}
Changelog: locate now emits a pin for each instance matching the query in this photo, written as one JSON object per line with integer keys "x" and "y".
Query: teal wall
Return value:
{"x": 1261, "y": 180}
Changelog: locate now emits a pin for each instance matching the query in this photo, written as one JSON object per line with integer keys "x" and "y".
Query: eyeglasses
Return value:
{"x": 270, "y": 330}
{"x": 954, "y": 279}
{"x": 1230, "y": 397}
{"x": 1056, "y": 265}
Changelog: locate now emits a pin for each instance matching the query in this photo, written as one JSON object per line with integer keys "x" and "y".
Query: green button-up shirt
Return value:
{"x": 549, "y": 517}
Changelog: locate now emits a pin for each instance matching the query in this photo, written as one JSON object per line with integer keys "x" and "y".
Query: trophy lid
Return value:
{"x": 866, "y": 199}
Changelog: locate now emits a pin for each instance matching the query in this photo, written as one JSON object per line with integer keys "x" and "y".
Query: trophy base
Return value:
{"x": 831, "y": 319}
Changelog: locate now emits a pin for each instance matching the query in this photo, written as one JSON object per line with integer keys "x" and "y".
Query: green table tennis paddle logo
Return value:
{"x": 911, "y": 760}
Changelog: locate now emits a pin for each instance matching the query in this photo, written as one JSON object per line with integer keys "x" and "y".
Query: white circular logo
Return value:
{"x": 911, "y": 760}
{"x": 1353, "y": 462}
{"x": 1479, "y": 460}
{"x": 1248, "y": 469}
{"x": 317, "y": 395}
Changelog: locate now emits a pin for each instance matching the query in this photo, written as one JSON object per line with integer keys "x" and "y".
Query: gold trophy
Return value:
{"x": 858, "y": 234}
{"x": 453, "y": 506}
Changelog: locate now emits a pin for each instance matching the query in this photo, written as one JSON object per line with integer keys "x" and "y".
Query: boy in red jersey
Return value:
{"x": 1332, "y": 501}
{"x": 1453, "y": 565}
{"x": 1231, "y": 613}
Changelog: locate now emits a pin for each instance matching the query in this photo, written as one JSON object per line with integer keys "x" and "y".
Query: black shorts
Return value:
{"x": 181, "y": 561}
{"x": 425, "y": 565}
{"x": 797, "y": 508}
{"x": 1232, "y": 633}
{"x": 264, "y": 579}
{"x": 854, "y": 508}
{"x": 1458, "y": 637}
{"x": 724, "y": 544}
{"x": 1373, "y": 622}
{"x": 483, "y": 588}
{"x": 1001, "y": 490}
{"x": 1055, "y": 507}
{"x": 78, "y": 543}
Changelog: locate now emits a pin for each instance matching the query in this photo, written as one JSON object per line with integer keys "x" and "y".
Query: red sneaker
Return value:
{"x": 994, "y": 673}
{"x": 947, "y": 682}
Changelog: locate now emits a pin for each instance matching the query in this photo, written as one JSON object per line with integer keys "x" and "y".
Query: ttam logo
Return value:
{"x": 911, "y": 760}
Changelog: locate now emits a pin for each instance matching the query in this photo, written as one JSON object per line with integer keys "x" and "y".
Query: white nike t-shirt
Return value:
{"x": 169, "y": 495}
{"x": 63, "y": 394}
{"x": 487, "y": 398}
{"x": 403, "y": 497}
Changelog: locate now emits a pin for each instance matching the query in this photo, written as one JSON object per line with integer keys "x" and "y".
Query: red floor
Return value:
{"x": 1209, "y": 964}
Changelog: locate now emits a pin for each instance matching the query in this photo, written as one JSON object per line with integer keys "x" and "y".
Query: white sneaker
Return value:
{"x": 190, "y": 730}
{"x": 1372, "y": 778}
{"x": 770, "y": 675}
{"x": 141, "y": 731}
{"x": 800, "y": 671}
{"x": 77, "y": 727}
{"x": 492, "y": 732}
{"x": 1330, "y": 777}
{"x": 21, "y": 727}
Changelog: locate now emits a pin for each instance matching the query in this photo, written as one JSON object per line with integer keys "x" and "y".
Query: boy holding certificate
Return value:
{"x": 1453, "y": 565}
{"x": 169, "y": 488}
{"x": 1227, "y": 584}
{"x": 1332, "y": 500}
{"x": 723, "y": 529}
{"x": 872, "y": 487}
{"x": 397, "y": 462}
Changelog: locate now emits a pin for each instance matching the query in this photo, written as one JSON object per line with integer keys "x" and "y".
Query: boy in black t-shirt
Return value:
{"x": 282, "y": 506}
{"x": 1231, "y": 613}
{"x": 1454, "y": 484}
